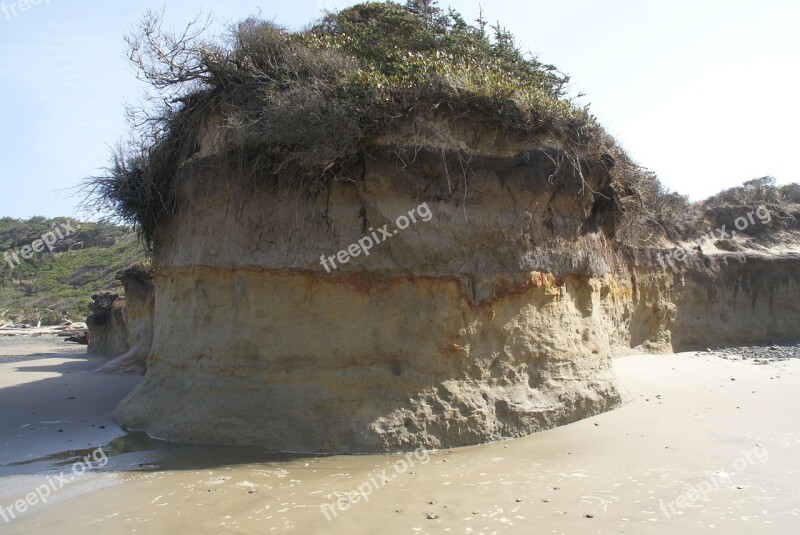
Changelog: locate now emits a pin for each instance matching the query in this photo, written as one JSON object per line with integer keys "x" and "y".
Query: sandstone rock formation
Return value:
{"x": 503, "y": 268}
{"x": 107, "y": 332}
{"x": 137, "y": 323}
{"x": 491, "y": 320}
{"x": 429, "y": 341}
{"x": 718, "y": 297}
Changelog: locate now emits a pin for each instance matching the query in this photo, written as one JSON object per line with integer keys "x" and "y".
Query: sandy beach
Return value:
{"x": 703, "y": 444}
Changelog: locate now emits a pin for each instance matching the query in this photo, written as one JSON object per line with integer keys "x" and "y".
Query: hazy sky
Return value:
{"x": 703, "y": 93}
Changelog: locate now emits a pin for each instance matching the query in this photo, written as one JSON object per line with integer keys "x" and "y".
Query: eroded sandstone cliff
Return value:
{"x": 718, "y": 300}
{"x": 108, "y": 334}
{"x": 492, "y": 319}
{"x": 136, "y": 325}
{"x": 512, "y": 243}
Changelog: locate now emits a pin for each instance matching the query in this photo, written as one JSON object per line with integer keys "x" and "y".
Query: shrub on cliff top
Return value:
{"x": 299, "y": 109}
{"x": 756, "y": 191}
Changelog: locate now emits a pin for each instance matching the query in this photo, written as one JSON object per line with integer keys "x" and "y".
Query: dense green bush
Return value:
{"x": 58, "y": 284}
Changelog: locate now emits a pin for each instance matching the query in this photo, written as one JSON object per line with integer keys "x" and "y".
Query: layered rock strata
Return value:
{"x": 106, "y": 325}
{"x": 489, "y": 317}
{"x": 137, "y": 324}
{"x": 487, "y": 306}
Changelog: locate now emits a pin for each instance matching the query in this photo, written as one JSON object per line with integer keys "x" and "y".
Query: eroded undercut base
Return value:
{"x": 359, "y": 363}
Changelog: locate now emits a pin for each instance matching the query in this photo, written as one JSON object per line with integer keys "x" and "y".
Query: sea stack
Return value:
{"x": 361, "y": 250}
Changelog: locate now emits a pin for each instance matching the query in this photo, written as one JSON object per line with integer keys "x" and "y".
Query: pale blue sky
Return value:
{"x": 703, "y": 93}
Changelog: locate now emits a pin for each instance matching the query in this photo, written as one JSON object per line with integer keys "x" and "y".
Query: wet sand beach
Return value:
{"x": 703, "y": 444}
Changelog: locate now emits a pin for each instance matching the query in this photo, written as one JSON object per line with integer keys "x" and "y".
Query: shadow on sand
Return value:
{"x": 51, "y": 423}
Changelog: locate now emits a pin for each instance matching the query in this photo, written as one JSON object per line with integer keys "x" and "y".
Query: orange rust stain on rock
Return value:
{"x": 619, "y": 290}
{"x": 451, "y": 349}
{"x": 504, "y": 287}
{"x": 384, "y": 281}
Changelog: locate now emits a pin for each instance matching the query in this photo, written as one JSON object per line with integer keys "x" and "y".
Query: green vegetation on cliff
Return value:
{"x": 58, "y": 284}
{"x": 302, "y": 110}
